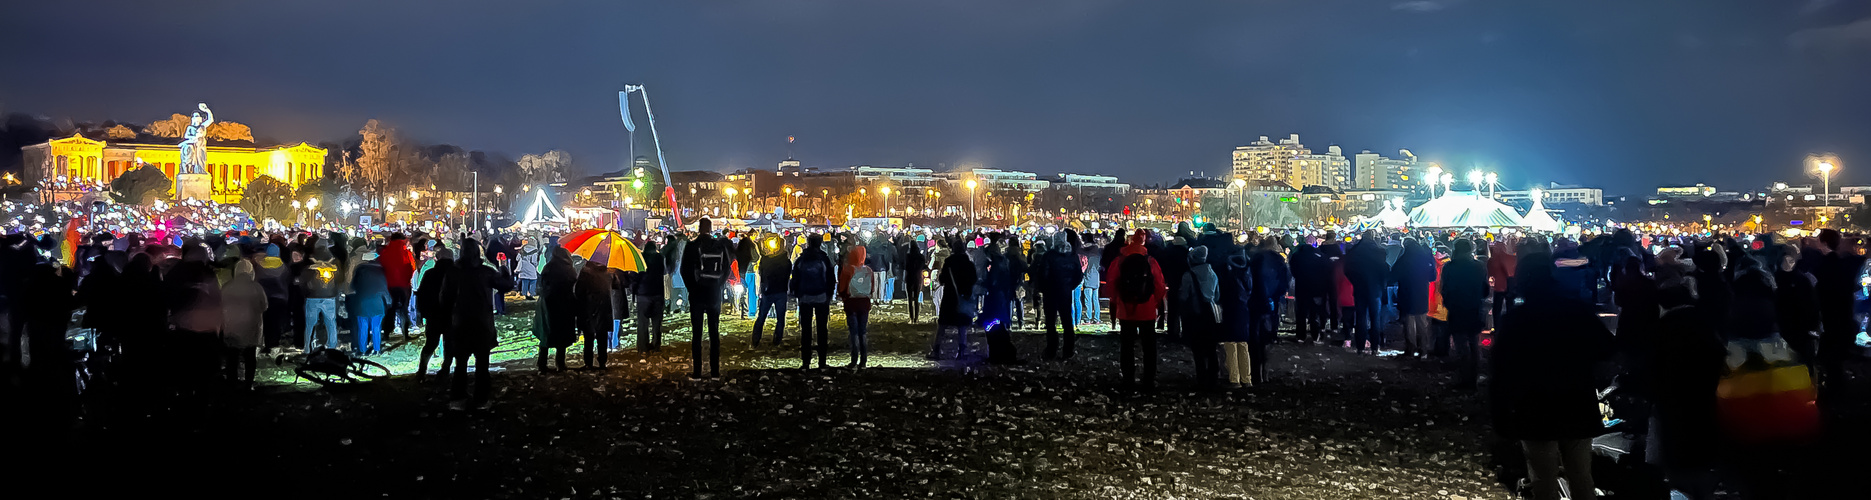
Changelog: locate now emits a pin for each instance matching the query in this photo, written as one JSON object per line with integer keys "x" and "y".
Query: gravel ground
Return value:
{"x": 1330, "y": 425}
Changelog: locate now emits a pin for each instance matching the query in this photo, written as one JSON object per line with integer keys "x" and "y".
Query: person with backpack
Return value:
{"x": 1197, "y": 304}
{"x": 1062, "y": 274}
{"x": 812, "y": 284}
{"x": 1135, "y": 290}
{"x": 705, "y": 267}
{"x": 857, "y": 288}
{"x": 647, "y": 286}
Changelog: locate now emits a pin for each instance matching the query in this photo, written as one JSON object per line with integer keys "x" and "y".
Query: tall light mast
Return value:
{"x": 669, "y": 187}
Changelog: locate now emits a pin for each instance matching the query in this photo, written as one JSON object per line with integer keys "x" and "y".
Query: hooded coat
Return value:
{"x": 527, "y": 266}
{"x": 1200, "y": 292}
{"x": 435, "y": 314}
{"x": 1464, "y": 285}
{"x": 555, "y": 323}
{"x": 469, "y": 295}
{"x": 243, "y": 308}
{"x": 194, "y": 293}
{"x": 1140, "y": 311}
{"x": 1366, "y": 269}
{"x": 853, "y": 260}
{"x": 957, "y": 280}
{"x": 1414, "y": 270}
{"x": 593, "y": 290}
{"x": 1060, "y": 269}
{"x": 370, "y": 289}
{"x": 1234, "y": 279}
{"x": 1545, "y": 354}
{"x": 812, "y": 281}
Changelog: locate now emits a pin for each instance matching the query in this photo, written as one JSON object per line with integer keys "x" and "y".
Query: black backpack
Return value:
{"x": 1137, "y": 285}
{"x": 713, "y": 265}
{"x": 811, "y": 271}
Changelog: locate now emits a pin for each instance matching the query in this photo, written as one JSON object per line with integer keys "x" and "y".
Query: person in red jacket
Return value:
{"x": 1501, "y": 262}
{"x": 399, "y": 268}
{"x": 1135, "y": 291}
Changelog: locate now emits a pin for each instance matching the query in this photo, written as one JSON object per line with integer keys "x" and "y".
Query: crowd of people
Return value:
{"x": 1688, "y": 310}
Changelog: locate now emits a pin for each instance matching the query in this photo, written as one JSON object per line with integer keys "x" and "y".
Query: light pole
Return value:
{"x": 1240, "y": 200}
{"x": 477, "y": 199}
{"x": 733, "y": 205}
{"x": 886, "y": 191}
{"x": 971, "y": 185}
{"x": 1825, "y": 176}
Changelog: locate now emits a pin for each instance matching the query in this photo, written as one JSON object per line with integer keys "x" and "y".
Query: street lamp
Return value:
{"x": 971, "y": 185}
{"x": 731, "y": 203}
{"x": 1240, "y": 201}
{"x": 1435, "y": 176}
{"x": 1825, "y": 175}
{"x": 886, "y": 192}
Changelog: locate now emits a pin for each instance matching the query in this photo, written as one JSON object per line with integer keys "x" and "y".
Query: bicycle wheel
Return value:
{"x": 322, "y": 377}
{"x": 369, "y": 370}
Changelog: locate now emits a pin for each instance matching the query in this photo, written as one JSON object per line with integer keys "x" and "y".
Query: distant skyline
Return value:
{"x": 1614, "y": 94}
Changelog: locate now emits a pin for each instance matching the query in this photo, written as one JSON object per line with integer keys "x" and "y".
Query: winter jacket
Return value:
{"x": 1545, "y": 354}
{"x": 193, "y": 292}
{"x": 775, "y": 271}
{"x": 1234, "y": 279}
{"x": 1312, "y": 272}
{"x": 399, "y": 265}
{"x": 469, "y": 296}
{"x": 704, "y": 294}
{"x": 243, "y": 307}
{"x": 1140, "y": 311}
{"x": 854, "y": 260}
{"x": 1464, "y": 286}
{"x": 957, "y": 279}
{"x": 1414, "y": 271}
{"x": 1366, "y": 269}
{"x": 555, "y": 322}
{"x": 321, "y": 277}
{"x": 435, "y": 313}
{"x": 593, "y": 292}
{"x": 1060, "y": 270}
{"x": 811, "y": 282}
{"x": 1501, "y": 262}
{"x": 648, "y": 284}
{"x": 527, "y": 266}
{"x": 370, "y": 295}
{"x": 1270, "y": 279}
{"x": 1200, "y": 293}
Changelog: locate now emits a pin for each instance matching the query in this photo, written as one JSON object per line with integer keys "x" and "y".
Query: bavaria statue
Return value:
{"x": 195, "y": 143}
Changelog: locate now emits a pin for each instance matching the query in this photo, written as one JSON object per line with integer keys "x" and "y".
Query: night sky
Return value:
{"x": 1621, "y": 94}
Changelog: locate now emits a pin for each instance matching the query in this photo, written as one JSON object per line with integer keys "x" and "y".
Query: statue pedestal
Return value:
{"x": 197, "y": 186}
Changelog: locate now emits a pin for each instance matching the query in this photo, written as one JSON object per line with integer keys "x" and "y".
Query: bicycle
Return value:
{"x": 332, "y": 367}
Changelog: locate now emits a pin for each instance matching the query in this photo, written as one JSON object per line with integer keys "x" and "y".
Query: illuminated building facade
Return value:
{"x": 78, "y": 159}
{"x": 1374, "y": 171}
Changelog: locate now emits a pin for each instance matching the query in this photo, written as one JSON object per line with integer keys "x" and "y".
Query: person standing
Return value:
{"x": 1062, "y": 271}
{"x": 528, "y": 269}
{"x": 776, "y": 270}
{"x": 857, "y": 287}
{"x": 1201, "y": 314}
{"x": 812, "y": 284}
{"x": 593, "y": 294}
{"x": 1501, "y": 263}
{"x": 436, "y": 317}
{"x": 1234, "y": 279}
{"x": 1544, "y": 388}
{"x": 914, "y": 265}
{"x": 1136, "y": 287}
{"x": 746, "y": 254}
{"x": 556, "y": 319}
{"x": 647, "y": 286}
{"x": 1268, "y": 290}
{"x": 1413, "y": 272}
{"x": 1312, "y": 285}
{"x": 1174, "y": 258}
{"x": 243, "y": 312}
{"x": 996, "y": 316}
{"x": 195, "y": 312}
{"x": 320, "y": 282}
{"x": 399, "y": 271}
{"x": 276, "y": 279}
{"x": 370, "y": 295}
{"x": 1366, "y": 269}
{"x": 705, "y": 267}
{"x": 1836, "y": 277}
{"x": 1465, "y": 293}
{"x": 955, "y": 308}
{"x": 470, "y": 295}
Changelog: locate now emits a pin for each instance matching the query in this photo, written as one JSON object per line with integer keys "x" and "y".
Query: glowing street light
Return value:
{"x": 1825, "y": 174}
{"x": 886, "y": 192}
{"x": 971, "y": 185}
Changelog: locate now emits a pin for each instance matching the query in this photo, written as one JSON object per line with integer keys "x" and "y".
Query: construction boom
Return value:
{"x": 669, "y": 188}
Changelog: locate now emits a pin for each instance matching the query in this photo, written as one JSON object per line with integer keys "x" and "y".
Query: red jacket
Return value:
{"x": 1500, "y": 266}
{"x": 1134, "y": 312}
{"x": 1345, "y": 298}
{"x": 398, "y": 265}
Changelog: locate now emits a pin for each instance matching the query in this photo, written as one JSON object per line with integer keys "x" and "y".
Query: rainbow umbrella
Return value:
{"x": 606, "y": 247}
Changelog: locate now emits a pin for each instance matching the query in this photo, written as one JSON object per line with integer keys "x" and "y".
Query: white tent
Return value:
{"x": 540, "y": 209}
{"x": 1392, "y": 216}
{"x": 1464, "y": 210}
{"x": 1537, "y": 219}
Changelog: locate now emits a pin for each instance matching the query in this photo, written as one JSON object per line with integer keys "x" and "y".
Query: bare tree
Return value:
{"x": 375, "y": 164}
